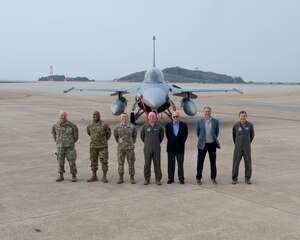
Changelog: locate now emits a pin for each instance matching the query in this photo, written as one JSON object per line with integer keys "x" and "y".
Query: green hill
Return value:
{"x": 177, "y": 74}
{"x": 61, "y": 78}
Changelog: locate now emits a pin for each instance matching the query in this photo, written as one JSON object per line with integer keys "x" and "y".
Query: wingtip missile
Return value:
{"x": 68, "y": 90}
{"x": 237, "y": 90}
{"x": 175, "y": 86}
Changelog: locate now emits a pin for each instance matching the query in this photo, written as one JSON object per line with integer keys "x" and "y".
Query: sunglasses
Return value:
{"x": 175, "y": 117}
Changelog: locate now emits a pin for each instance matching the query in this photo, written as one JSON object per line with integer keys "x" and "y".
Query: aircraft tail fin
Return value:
{"x": 153, "y": 51}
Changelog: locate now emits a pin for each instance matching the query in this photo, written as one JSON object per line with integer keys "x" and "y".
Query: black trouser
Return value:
{"x": 211, "y": 149}
{"x": 171, "y": 165}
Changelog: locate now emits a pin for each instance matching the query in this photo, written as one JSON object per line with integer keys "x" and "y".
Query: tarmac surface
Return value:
{"x": 34, "y": 206}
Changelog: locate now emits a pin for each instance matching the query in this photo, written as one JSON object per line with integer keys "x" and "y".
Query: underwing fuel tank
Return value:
{"x": 118, "y": 107}
{"x": 189, "y": 107}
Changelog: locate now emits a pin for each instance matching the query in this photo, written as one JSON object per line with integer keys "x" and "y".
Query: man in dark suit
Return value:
{"x": 176, "y": 133}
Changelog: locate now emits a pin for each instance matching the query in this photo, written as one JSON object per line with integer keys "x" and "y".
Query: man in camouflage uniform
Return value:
{"x": 125, "y": 134}
{"x": 152, "y": 134}
{"x": 65, "y": 134}
{"x": 99, "y": 133}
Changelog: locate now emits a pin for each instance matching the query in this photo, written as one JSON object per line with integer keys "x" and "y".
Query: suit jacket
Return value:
{"x": 202, "y": 135}
{"x": 176, "y": 144}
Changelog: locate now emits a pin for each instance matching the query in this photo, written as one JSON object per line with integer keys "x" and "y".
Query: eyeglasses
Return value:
{"x": 175, "y": 117}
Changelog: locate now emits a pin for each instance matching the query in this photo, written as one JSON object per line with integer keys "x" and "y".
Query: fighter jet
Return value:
{"x": 154, "y": 95}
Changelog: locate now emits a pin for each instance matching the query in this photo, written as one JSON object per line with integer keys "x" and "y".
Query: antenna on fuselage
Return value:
{"x": 154, "y": 51}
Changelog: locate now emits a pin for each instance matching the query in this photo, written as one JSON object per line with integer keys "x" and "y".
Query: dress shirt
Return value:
{"x": 175, "y": 128}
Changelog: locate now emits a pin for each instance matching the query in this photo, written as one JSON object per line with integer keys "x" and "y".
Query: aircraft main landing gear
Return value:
{"x": 132, "y": 118}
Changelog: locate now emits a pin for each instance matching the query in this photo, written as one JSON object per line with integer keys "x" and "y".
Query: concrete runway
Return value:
{"x": 34, "y": 206}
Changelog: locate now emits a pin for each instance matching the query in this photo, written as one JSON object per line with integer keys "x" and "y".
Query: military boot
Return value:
{"x": 74, "y": 179}
{"x": 94, "y": 177}
{"x": 121, "y": 180}
{"x": 132, "y": 179}
{"x": 60, "y": 178}
{"x": 104, "y": 179}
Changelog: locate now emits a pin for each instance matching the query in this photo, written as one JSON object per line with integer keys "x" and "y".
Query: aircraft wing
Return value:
{"x": 115, "y": 91}
{"x": 182, "y": 92}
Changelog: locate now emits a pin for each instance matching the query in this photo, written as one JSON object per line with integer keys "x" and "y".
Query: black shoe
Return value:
{"x": 199, "y": 182}
{"x": 170, "y": 181}
{"x": 181, "y": 181}
{"x": 214, "y": 181}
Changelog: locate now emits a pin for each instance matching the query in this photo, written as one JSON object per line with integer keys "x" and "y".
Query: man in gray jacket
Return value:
{"x": 207, "y": 133}
{"x": 242, "y": 134}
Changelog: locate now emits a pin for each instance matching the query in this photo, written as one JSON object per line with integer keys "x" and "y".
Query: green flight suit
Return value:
{"x": 152, "y": 137}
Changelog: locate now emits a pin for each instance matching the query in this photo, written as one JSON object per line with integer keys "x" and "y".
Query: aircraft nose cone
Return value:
{"x": 154, "y": 97}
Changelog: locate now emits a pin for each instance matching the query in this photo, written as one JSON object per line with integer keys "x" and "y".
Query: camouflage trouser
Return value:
{"x": 102, "y": 154}
{"x": 130, "y": 159}
{"x": 70, "y": 154}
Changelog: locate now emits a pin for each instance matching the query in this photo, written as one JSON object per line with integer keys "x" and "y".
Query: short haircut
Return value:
{"x": 63, "y": 112}
{"x": 242, "y": 112}
{"x": 176, "y": 112}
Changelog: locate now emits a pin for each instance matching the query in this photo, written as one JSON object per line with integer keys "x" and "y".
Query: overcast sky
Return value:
{"x": 257, "y": 40}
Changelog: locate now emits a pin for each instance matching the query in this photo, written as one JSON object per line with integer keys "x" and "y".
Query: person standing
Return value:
{"x": 207, "y": 133}
{"x": 242, "y": 134}
{"x": 152, "y": 134}
{"x": 99, "y": 132}
{"x": 65, "y": 134}
{"x": 176, "y": 133}
{"x": 125, "y": 135}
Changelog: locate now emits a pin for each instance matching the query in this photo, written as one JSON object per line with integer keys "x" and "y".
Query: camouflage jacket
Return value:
{"x": 99, "y": 132}
{"x": 65, "y": 134}
{"x": 125, "y": 136}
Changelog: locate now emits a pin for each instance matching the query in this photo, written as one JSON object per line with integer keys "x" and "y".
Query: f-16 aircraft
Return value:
{"x": 154, "y": 95}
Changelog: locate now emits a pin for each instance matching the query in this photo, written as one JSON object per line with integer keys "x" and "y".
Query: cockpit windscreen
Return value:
{"x": 154, "y": 76}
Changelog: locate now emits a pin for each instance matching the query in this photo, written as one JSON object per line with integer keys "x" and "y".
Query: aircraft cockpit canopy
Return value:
{"x": 154, "y": 76}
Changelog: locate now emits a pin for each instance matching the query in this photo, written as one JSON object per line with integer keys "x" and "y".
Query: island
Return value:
{"x": 63, "y": 78}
